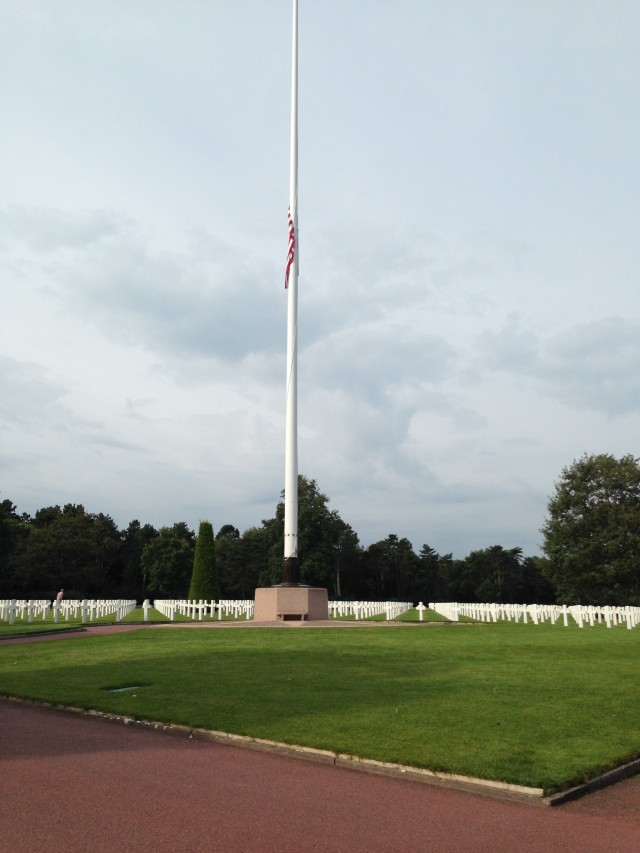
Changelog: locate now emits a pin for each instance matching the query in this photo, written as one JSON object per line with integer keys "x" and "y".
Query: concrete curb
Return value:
{"x": 610, "y": 777}
{"x": 485, "y": 787}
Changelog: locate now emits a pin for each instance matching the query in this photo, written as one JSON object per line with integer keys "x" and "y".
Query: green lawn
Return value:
{"x": 38, "y": 626}
{"x": 533, "y": 705}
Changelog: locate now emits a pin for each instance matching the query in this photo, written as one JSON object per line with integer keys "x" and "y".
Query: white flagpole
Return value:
{"x": 290, "y": 561}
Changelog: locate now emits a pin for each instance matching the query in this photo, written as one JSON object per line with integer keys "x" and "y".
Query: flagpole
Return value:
{"x": 290, "y": 561}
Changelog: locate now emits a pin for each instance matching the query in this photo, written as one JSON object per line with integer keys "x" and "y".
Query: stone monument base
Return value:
{"x": 290, "y": 603}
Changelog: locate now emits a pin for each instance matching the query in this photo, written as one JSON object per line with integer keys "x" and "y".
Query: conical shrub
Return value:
{"x": 204, "y": 579}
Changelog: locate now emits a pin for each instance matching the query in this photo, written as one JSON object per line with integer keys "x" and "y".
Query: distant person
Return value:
{"x": 60, "y": 595}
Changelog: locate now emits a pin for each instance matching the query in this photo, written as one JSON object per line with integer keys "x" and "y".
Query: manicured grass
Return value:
{"x": 542, "y": 705}
{"x": 413, "y": 615}
{"x": 23, "y": 626}
{"x": 46, "y": 625}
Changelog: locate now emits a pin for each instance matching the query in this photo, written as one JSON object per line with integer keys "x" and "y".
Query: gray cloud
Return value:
{"x": 592, "y": 365}
{"x": 597, "y": 366}
{"x": 37, "y": 404}
{"x": 28, "y": 392}
{"x": 377, "y": 362}
{"x": 49, "y": 230}
{"x": 211, "y": 300}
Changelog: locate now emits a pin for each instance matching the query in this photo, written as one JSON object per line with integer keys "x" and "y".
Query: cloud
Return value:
{"x": 38, "y": 406}
{"x": 593, "y": 365}
{"x": 49, "y": 230}
{"x": 365, "y": 271}
{"x": 378, "y": 362}
{"x": 210, "y": 300}
{"x": 28, "y": 392}
{"x": 597, "y": 366}
{"x": 50, "y": 453}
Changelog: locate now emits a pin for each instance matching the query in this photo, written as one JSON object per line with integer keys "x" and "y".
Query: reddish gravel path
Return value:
{"x": 72, "y": 783}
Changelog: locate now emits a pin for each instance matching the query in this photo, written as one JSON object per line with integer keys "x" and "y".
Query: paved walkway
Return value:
{"x": 73, "y": 783}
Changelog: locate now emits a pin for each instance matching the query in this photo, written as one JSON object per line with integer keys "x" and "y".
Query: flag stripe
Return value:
{"x": 291, "y": 250}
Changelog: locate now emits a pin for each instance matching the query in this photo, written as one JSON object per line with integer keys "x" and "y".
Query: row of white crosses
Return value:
{"x": 198, "y": 610}
{"x": 397, "y": 608}
{"x": 239, "y": 608}
{"x": 191, "y": 609}
{"x": 87, "y": 610}
{"x": 243, "y": 608}
{"x": 167, "y": 606}
{"x": 537, "y": 613}
{"x": 609, "y": 615}
{"x": 18, "y": 608}
{"x": 367, "y": 609}
{"x": 91, "y": 609}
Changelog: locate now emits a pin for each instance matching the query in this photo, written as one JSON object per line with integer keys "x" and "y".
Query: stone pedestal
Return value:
{"x": 290, "y": 603}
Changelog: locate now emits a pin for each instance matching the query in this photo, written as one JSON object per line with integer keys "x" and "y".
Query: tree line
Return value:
{"x": 591, "y": 544}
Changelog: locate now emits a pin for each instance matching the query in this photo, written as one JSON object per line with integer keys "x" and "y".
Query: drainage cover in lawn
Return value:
{"x": 123, "y": 689}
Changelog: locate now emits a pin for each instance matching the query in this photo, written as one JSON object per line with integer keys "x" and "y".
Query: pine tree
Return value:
{"x": 204, "y": 580}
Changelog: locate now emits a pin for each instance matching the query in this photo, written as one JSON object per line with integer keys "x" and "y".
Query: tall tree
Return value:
{"x": 497, "y": 574}
{"x": 70, "y": 548}
{"x": 455, "y": 584}
{"x": 237, "y": 568}
{"x": 592, "y": 531}
{"x": 134, "y": 539}
{"x": 347, "y": 567}
{"x": 427, "y": 584}
{"x": 167, "y": 561}
{"x": 204, "y": 579}
{"x": 261, "y": 563}
{"x": 391, "y": 566}
{"x": 326, "y": 545}
{"x": 14, "y": 530}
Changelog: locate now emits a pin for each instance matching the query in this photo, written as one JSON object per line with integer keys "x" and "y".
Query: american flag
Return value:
{"x": 292, "y": 248}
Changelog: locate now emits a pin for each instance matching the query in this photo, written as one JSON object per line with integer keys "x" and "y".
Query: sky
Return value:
{"x": 469, "y": 291}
